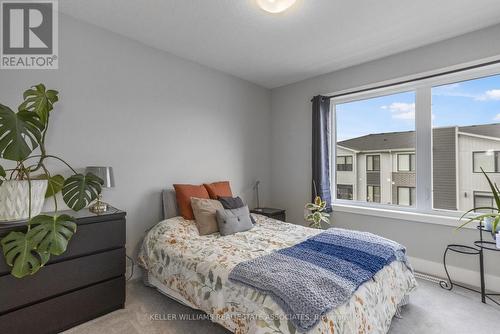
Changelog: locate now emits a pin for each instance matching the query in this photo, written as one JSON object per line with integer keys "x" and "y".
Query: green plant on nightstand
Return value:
{"x": 494, "y": 216}
{"x": 24, "y": 188}
{"x": 317, "y": 213}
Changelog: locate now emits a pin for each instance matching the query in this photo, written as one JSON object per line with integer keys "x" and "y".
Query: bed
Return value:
{"x": 194, "y": 270}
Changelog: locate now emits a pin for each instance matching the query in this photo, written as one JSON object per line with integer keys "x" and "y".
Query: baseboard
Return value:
{"x": 458, "y": 274}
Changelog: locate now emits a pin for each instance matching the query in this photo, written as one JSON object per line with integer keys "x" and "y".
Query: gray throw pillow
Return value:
{"x": 233, "y": 203}
{"x": 231, "y": 221}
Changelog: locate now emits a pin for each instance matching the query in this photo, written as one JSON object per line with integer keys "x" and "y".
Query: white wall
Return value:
{"x": 291, "y": 143}
{"x": 157, "y": 119}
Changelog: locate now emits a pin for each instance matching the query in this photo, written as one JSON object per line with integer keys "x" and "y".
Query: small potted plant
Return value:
{"x": 491, "y": 220}
{"x": 317, "y": 213}
{"x": 24, "y": 188}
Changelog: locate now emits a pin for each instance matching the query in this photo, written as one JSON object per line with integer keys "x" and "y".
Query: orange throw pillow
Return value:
{"x": 183, "y": 193}
{"x": 219, "y": 189}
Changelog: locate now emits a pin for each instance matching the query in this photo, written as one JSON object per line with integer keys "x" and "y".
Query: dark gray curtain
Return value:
{"x": 321, "y": 149}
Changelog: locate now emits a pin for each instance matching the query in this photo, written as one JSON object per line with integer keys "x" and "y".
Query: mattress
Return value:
{"x": 194, "y": 270}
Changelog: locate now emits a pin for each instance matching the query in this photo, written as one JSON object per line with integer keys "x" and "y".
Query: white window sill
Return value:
{"x": 426, "y": 218}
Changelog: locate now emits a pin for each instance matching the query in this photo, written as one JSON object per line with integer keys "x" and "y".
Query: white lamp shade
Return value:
{"x": 105, "y": 173}
{"x": 275, "y": 6}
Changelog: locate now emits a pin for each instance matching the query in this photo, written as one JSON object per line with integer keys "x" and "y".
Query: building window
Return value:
{"x": 406, "y": 196}
{"x": 489, "y": 161}
{"x": 406, "y": 162}
{"x": 344, "y": 163}
{"x": 484, "y": 200}
{"x": 373, "y": 163}
{"x": 373, "y": 194}
{"x": 344, "y": 191}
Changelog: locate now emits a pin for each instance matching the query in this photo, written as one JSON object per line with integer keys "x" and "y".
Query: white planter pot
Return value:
{"x": 14, "y": 199}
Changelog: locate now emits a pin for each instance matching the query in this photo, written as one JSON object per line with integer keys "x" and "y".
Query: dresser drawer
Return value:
{"x": 63, "y": 312}
{"x": 59, "y": 278}
{"x": 88, "y": 239}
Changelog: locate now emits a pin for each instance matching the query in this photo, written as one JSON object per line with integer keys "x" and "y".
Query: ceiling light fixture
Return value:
{"x": 275, "y": 6}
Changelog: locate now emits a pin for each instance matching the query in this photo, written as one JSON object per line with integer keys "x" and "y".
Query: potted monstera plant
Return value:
{"x": 28, "y": 182}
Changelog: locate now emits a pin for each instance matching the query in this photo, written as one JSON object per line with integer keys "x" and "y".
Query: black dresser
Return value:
{"x": 85, "y": 282}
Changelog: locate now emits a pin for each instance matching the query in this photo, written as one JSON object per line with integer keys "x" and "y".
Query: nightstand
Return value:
{"x": 278, "y": 214}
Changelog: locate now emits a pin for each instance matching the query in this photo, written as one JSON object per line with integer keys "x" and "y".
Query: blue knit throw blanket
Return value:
{"x": 319, "y": 274}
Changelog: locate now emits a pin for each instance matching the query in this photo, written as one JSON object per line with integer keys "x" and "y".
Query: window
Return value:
{"x": 487, "y": 160}
{"x": 387, "y": 127}
{"x": 344, "y": 163}
{"x": 456, "y": 120}
{"x": 344, "y": 191}
{"x": 484, "y": 200}
{"x": 373, "y": 163}
{"x": 466, "y": 137}
{"x": 406, "y": 162}
{"x": 406, "y": 196}
{"x": 373, "y": 194}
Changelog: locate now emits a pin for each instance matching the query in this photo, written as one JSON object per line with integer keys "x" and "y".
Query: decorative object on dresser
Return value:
{"x": 105, "y": 174}
{"x": 278, "y": 214}
{"x": 45, "y": 235}
{"x": 87, "y": 281}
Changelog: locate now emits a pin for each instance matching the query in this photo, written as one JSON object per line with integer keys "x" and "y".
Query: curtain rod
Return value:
{"x": 472, "y": 67}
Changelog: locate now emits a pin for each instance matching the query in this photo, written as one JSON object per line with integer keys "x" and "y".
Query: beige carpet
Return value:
{"x": 432, "y": 310}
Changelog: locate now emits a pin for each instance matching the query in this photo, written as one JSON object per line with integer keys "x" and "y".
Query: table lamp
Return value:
{"x": 105, "y": 174}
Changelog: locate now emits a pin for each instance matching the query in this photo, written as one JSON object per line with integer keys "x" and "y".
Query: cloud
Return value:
{"x": 401, "y": 110}
{"x": 497, "y": 118}
{"x": 493, "y": 94}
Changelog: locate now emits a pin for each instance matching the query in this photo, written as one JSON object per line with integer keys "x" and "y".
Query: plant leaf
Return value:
{"x": 20, "y": 133}
{"x": 207, "y": 295}
{"x": 20, "y": 253}
{"x": 291, "y": 327}
{"x": 494, "y": 225}
{"x": 493, "y": 190}
{"x": 2, "y": 174}
{"x": 52, "y": 233}
{"x": 79, "y": 190}
{"x": 210, "y": 276}
{"x": 478, "y": 218}
{"x": 40, "y": 101}
{"x": 218, "y": 284}
{"x": 55, "y": 185}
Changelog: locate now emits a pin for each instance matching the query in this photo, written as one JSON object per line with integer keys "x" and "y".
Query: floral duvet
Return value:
{"x": 196, "y": 268}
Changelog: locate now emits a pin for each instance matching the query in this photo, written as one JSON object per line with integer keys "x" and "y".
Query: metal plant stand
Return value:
{"x": 478, "y": 249}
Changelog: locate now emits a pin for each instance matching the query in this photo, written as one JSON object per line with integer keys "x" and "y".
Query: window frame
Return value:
{"x": 476, "y": 194}
{"x": 410, "y": 196}
{"x": 345, "y": 163}
{"x": 495, "y": 162}
{"x": 373, "y": 164}
{"x": 344, "y": 185}
{"x": 423, "y": 210}
{"x": 410, "y": 155}
{"x": 373, "y": 191}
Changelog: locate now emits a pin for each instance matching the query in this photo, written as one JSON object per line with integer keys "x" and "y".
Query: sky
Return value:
{"x": 465, "y": 103}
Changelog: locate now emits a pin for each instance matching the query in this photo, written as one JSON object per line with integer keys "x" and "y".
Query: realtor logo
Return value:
{"x": 29, "y": 35}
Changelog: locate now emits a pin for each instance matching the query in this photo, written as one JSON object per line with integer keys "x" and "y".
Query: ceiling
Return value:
{"x": 311, "y": 38}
